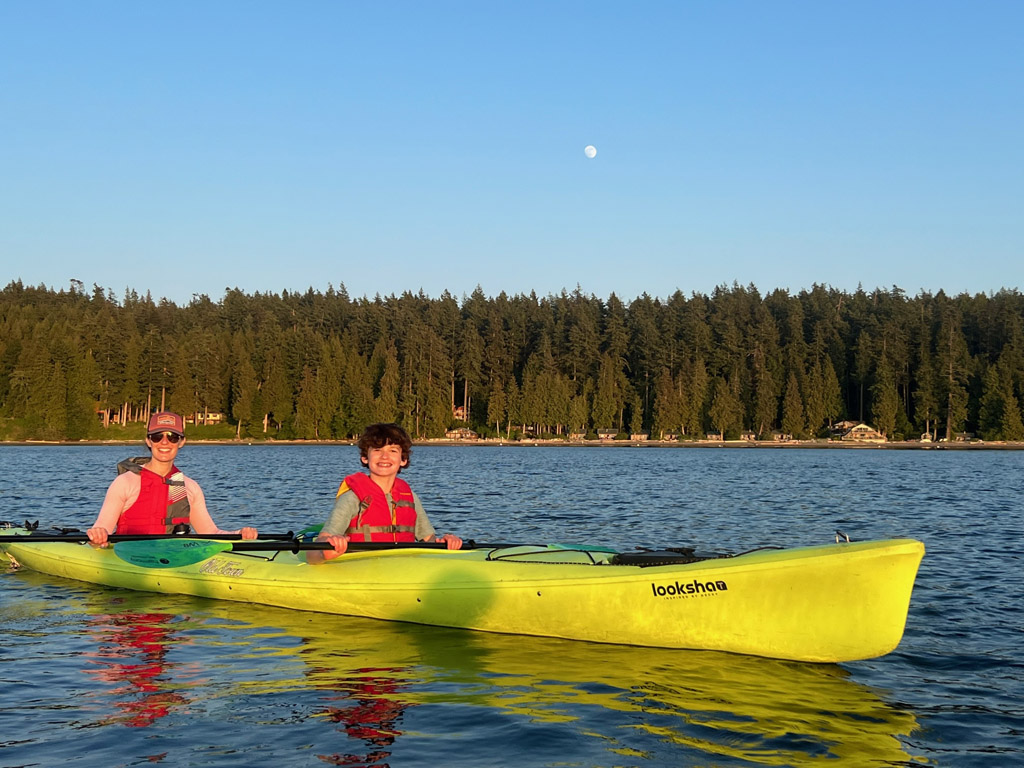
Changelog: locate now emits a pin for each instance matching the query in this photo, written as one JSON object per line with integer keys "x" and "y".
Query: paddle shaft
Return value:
{"x": 73, "y": 538}
{"x": 296, "y": 546}
{"x": 355, "y": 546}
{"x": 265, "y": 541}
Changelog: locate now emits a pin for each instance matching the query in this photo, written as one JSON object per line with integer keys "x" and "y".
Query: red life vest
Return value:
{"x": 376, "y": 519}
{"x": 162, "y": 501}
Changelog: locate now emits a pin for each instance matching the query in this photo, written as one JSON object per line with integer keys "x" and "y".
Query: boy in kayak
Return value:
{"x": 378, "y": 506}
{"x": 154, "y": 496}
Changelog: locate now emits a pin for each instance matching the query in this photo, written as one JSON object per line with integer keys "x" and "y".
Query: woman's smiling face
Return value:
{"x": 164, "y": 450}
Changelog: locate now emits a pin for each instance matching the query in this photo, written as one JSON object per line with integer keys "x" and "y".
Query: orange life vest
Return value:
{"x": 162, "y": 502}
{"x": 376, "y": 519}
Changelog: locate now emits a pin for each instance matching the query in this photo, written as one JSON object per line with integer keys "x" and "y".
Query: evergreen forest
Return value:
{"x": 318, "y": 365}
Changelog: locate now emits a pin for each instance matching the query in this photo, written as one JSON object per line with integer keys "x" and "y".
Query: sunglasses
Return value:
{"x": 156, "y": 437}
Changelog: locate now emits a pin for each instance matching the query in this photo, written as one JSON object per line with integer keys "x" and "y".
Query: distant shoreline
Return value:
{"x": 721, "y": 444}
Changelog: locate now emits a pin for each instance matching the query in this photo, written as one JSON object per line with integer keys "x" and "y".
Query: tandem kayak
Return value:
{"x": 831, "y": 603}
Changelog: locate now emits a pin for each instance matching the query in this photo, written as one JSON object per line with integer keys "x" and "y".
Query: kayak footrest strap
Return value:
{"x": 544, "y": 556}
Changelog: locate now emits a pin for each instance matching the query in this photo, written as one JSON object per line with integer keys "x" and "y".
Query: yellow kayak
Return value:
{"x": 830, "y": 603}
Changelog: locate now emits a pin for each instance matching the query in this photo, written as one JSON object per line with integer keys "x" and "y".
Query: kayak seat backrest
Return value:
{"x": 657, "y": 557}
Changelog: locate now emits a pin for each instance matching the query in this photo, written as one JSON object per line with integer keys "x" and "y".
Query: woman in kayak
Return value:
{"x": 378, "y": 506}
{"x": 153, "y": 496}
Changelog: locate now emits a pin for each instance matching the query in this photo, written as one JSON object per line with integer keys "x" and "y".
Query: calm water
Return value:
{"x": 98, "y": 677}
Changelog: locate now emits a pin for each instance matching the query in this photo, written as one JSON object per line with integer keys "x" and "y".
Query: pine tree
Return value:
{"x": 832, "y": 392}
{"x": 515, "y": 408}
{"x": 694, "y": 405}
{"x": 388, "y": 382}
{"x": 244, "y": 386}
{"x": 184, "y": 396}
{"x": 607, "y": 398}
{"x": 793, "y": 408}
{"x": 579, "y": 409}
{"x": 992, "y": 404}
{"x": 999, "y": 414}
{"x": 667, "y": 416}
{"x": 726, "y": 411}
{"x": 276, "y": 391}
{"x": 309, "y": 410}
{"x": 470, "y": 362}
{"x": 1013, "y": 424}
{"x": 766, "y": 399}
{"x": 636, "y": 414}
{"x": 131, "y": 399}
{"x": 83, "y": 383}
{"x": 814, "y": 399}
{"x": 954, "y": 361}
{"x": 583, "y": 338}
{"x": 885, "y": 400}
{"x": 497, "y": 407}
{"x": 351, "y": 387}
{"x": 926, "y": 408}
{"x": 53, "y": 396}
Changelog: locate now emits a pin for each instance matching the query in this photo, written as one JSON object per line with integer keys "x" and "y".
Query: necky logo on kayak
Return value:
{"x": 692, "y": 588}
{"x": 217, "y": 567}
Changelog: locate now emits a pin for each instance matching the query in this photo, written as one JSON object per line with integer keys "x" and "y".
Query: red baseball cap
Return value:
{"x": 165, "y": 421}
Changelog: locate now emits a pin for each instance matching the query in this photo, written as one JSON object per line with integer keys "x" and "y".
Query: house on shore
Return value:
{"x": 862, "y": 433}
{"x": 840, "y": 428}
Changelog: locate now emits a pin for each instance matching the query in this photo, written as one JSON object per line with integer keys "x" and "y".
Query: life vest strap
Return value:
{"x": 367, "y": 530}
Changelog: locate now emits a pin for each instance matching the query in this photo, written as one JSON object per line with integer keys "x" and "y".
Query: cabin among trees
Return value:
{"x": 321, "y": 365}
{"x": 862, "y": 433}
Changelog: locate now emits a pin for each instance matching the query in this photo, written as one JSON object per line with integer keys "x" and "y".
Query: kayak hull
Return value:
{"x": 833, "y": 603}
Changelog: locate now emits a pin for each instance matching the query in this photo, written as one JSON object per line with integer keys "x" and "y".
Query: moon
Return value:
{"x": 590, "y": 151}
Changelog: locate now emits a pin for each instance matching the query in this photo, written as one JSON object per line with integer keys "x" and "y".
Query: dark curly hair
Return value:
{"x": 379, "y": 435}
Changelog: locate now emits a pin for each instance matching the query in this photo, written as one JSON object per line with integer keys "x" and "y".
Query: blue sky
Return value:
{"x": 186, "y": 147}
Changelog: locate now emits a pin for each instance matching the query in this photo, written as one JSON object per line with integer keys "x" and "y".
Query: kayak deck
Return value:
{"x": 831, "y": 603}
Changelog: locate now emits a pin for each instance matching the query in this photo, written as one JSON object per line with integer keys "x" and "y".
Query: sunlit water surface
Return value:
{"x": 91, "y": 676}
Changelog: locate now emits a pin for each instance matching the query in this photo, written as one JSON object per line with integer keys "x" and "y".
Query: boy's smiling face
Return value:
{"x": 385, "y": 462}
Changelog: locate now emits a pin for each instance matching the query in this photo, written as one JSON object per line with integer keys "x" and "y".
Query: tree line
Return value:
{"x": 321, "y": 365}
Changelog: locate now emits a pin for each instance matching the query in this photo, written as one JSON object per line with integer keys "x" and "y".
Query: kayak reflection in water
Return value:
{"x": 370, "y": 712}
{"x": 378, "y": 506}
{"x": 132, "y": 651}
